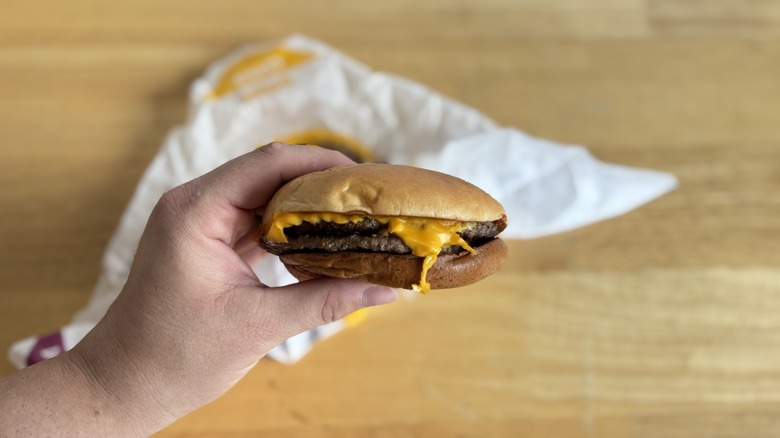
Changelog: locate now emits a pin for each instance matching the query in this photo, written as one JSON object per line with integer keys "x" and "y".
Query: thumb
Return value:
{"x": 293, "y": 309}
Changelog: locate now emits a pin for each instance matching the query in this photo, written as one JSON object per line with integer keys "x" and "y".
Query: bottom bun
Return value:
{"x": 400, "y": 271}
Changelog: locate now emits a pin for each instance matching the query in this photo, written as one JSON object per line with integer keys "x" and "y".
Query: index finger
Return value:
{"x": 249, "y": 181}
{"x": 221, "y": 203}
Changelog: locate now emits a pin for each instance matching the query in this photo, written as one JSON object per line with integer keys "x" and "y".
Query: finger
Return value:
{"x": 249, "y": 181}
{"x": 248, "y": 249}
{"x": 303, "y": 306}
{"x": 222, "y": 202}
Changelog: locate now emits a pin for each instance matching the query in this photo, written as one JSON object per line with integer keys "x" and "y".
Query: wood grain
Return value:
{"x": 662, "y": 322}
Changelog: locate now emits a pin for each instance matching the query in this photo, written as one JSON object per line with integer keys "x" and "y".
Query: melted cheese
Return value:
{"x": 424, "y": 236}
{"x": 285, "y": 220}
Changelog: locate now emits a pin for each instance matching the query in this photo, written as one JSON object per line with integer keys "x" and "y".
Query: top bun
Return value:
{"x": 385, "y": 190}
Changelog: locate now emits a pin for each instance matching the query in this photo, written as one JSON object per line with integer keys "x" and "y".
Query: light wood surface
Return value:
{"x": 664, "y": 322}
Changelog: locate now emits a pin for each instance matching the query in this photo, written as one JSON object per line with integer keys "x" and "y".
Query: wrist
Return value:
{"x": 120, "y": 393}
{"x": 60, "y": 397}
{"x": 106, "y": 407}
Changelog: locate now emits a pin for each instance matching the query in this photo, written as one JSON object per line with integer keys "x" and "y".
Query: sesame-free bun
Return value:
{"x": 385, "y": 190}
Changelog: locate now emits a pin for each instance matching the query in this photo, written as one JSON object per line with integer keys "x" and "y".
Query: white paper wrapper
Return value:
{"x": 272, "y": 91}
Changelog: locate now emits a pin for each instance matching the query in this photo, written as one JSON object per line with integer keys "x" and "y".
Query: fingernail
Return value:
{"x": 376, "y": 295}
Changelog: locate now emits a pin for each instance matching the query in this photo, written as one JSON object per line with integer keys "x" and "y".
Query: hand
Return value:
{"x": 193, "y": 318}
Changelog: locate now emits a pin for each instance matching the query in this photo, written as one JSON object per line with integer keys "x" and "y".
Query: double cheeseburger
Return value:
{"x": 397, "y": 226}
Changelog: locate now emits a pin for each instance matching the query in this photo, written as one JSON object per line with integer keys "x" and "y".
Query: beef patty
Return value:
{"x": 367, "y": 235}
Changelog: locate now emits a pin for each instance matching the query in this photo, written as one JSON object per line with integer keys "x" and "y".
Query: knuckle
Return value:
{"x": 283, "y": 151}
{"x": 256, "y": 325}
{"x": 333, "y": 307}
{"x": 176, "y": 197}
{"x": 174, "y": 202}
{"x": 263, "y": 333}
{"x": 273, "y": 149}
{"x": 167, "y": 205}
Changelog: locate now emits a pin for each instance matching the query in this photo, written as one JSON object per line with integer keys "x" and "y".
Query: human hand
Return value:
{"x": 193, "y": 318}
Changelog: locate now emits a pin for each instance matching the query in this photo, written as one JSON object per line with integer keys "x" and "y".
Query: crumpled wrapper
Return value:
{"x": 299, "y": 88}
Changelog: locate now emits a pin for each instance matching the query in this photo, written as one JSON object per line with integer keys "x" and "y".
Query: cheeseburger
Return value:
{"x": 397, "y": 226}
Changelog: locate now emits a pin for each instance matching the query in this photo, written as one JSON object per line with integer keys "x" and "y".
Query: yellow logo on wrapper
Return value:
{"x": 258, "y": 73}
{"x": 331, "y": 140}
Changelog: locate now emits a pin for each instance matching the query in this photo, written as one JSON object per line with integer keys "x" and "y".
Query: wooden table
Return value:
{"x": 663, "y": 322}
